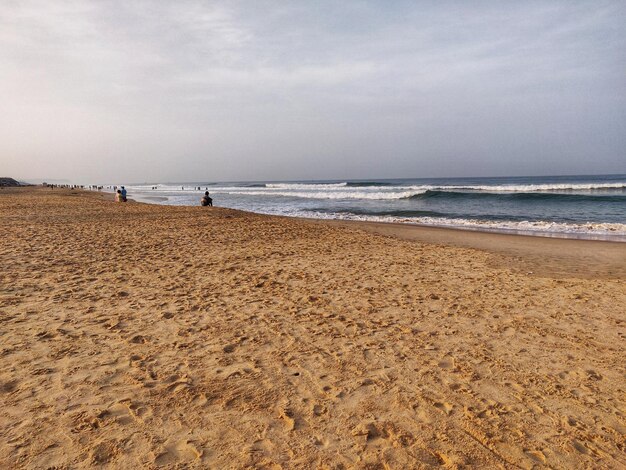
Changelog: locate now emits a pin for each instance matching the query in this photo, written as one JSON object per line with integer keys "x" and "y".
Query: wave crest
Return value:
{"x": 305, "y": 185}
{"x": 532, "y": 196}
{"x": 390, "y": 195}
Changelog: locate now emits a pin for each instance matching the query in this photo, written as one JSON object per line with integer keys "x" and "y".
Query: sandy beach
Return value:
{"x": 143, "y": 336}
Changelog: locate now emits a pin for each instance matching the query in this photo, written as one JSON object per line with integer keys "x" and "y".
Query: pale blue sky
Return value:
{"x": 108, "y": 91}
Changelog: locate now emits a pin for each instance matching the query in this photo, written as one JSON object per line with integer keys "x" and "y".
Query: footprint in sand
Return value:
{"x": 138, "y": 339}
{"x": 178, "y": 452}
{"x": 288, "y": 417}
{"x": 177, "y": 383}
{"x": 319, "y": 409}
{"x": 83, "y": 421}
{"x": 371, "y": 431}
{"x": 579, "y": 447}
{"x": 8, "y": 387}
{"x": 444, "y": 406}
{"x": 124, "y": 412}
{"x": 593, "y": 375}
{"x": 536, "y": 455}
{"x": 104, "y": 452}
{"x": 134, "y": 359}
{"x": 383, "y": 432}
{"x": 262, "y": 447}
{"x": 509, "y": 331}
{"x": 45, "y": 334}
{"x": 446, "y": 363}
{"x": 113, "y": 324}
{"x": 321, "y": 441}
{"x": 237, "y": 369}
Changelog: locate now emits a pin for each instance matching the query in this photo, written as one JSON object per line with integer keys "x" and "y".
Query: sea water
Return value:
{"x": 564, "y": 206}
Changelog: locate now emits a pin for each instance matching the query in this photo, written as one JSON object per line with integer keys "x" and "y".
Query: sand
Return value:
{"x": 144, "y": 336}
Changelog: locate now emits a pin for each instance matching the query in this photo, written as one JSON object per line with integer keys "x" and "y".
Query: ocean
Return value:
{"x": 592, "y": 207}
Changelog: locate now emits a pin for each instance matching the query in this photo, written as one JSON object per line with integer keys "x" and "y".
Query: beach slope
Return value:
{"x": 138, "y": 335}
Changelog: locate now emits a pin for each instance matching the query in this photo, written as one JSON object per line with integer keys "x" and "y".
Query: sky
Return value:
{"x": 115, "y": 91}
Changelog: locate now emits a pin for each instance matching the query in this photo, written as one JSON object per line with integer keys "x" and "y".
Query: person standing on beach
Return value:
{"x": 123, "y": 194}
{"x": 118, "y": 196}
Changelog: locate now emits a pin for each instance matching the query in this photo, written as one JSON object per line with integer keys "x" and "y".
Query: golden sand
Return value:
{"x": 138, "y": 336}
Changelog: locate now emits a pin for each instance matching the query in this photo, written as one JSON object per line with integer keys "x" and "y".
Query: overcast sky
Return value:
{"x": 134, "y": 91}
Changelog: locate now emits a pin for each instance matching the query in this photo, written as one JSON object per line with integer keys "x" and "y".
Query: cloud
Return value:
{"x": 285, "y": 83}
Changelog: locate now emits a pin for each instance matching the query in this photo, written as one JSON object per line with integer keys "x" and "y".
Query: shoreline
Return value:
{"x": 604, "y": 237}
{"x": 530, "y": 254}
{"x": 577, "y": 257}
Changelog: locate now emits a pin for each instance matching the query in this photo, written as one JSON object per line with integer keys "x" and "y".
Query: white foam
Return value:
{"x": 305, "y": 185}
{"x": 378, "y": 195}
{"x": 613, "y": 231}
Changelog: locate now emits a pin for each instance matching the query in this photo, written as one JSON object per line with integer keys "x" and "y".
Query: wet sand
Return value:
{"x": 560, "y": 257}
{"x": 148, "y": 336}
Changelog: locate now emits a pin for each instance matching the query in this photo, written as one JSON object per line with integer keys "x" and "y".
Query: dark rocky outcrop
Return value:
{"x": 9, "y": 182}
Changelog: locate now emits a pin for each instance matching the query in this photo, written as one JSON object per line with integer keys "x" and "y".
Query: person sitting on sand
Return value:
{"x": 206, "y": 200}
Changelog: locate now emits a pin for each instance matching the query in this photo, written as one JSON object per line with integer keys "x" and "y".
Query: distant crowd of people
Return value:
{"x": 91, "y": 187}
{"x": 64, "y": 186}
